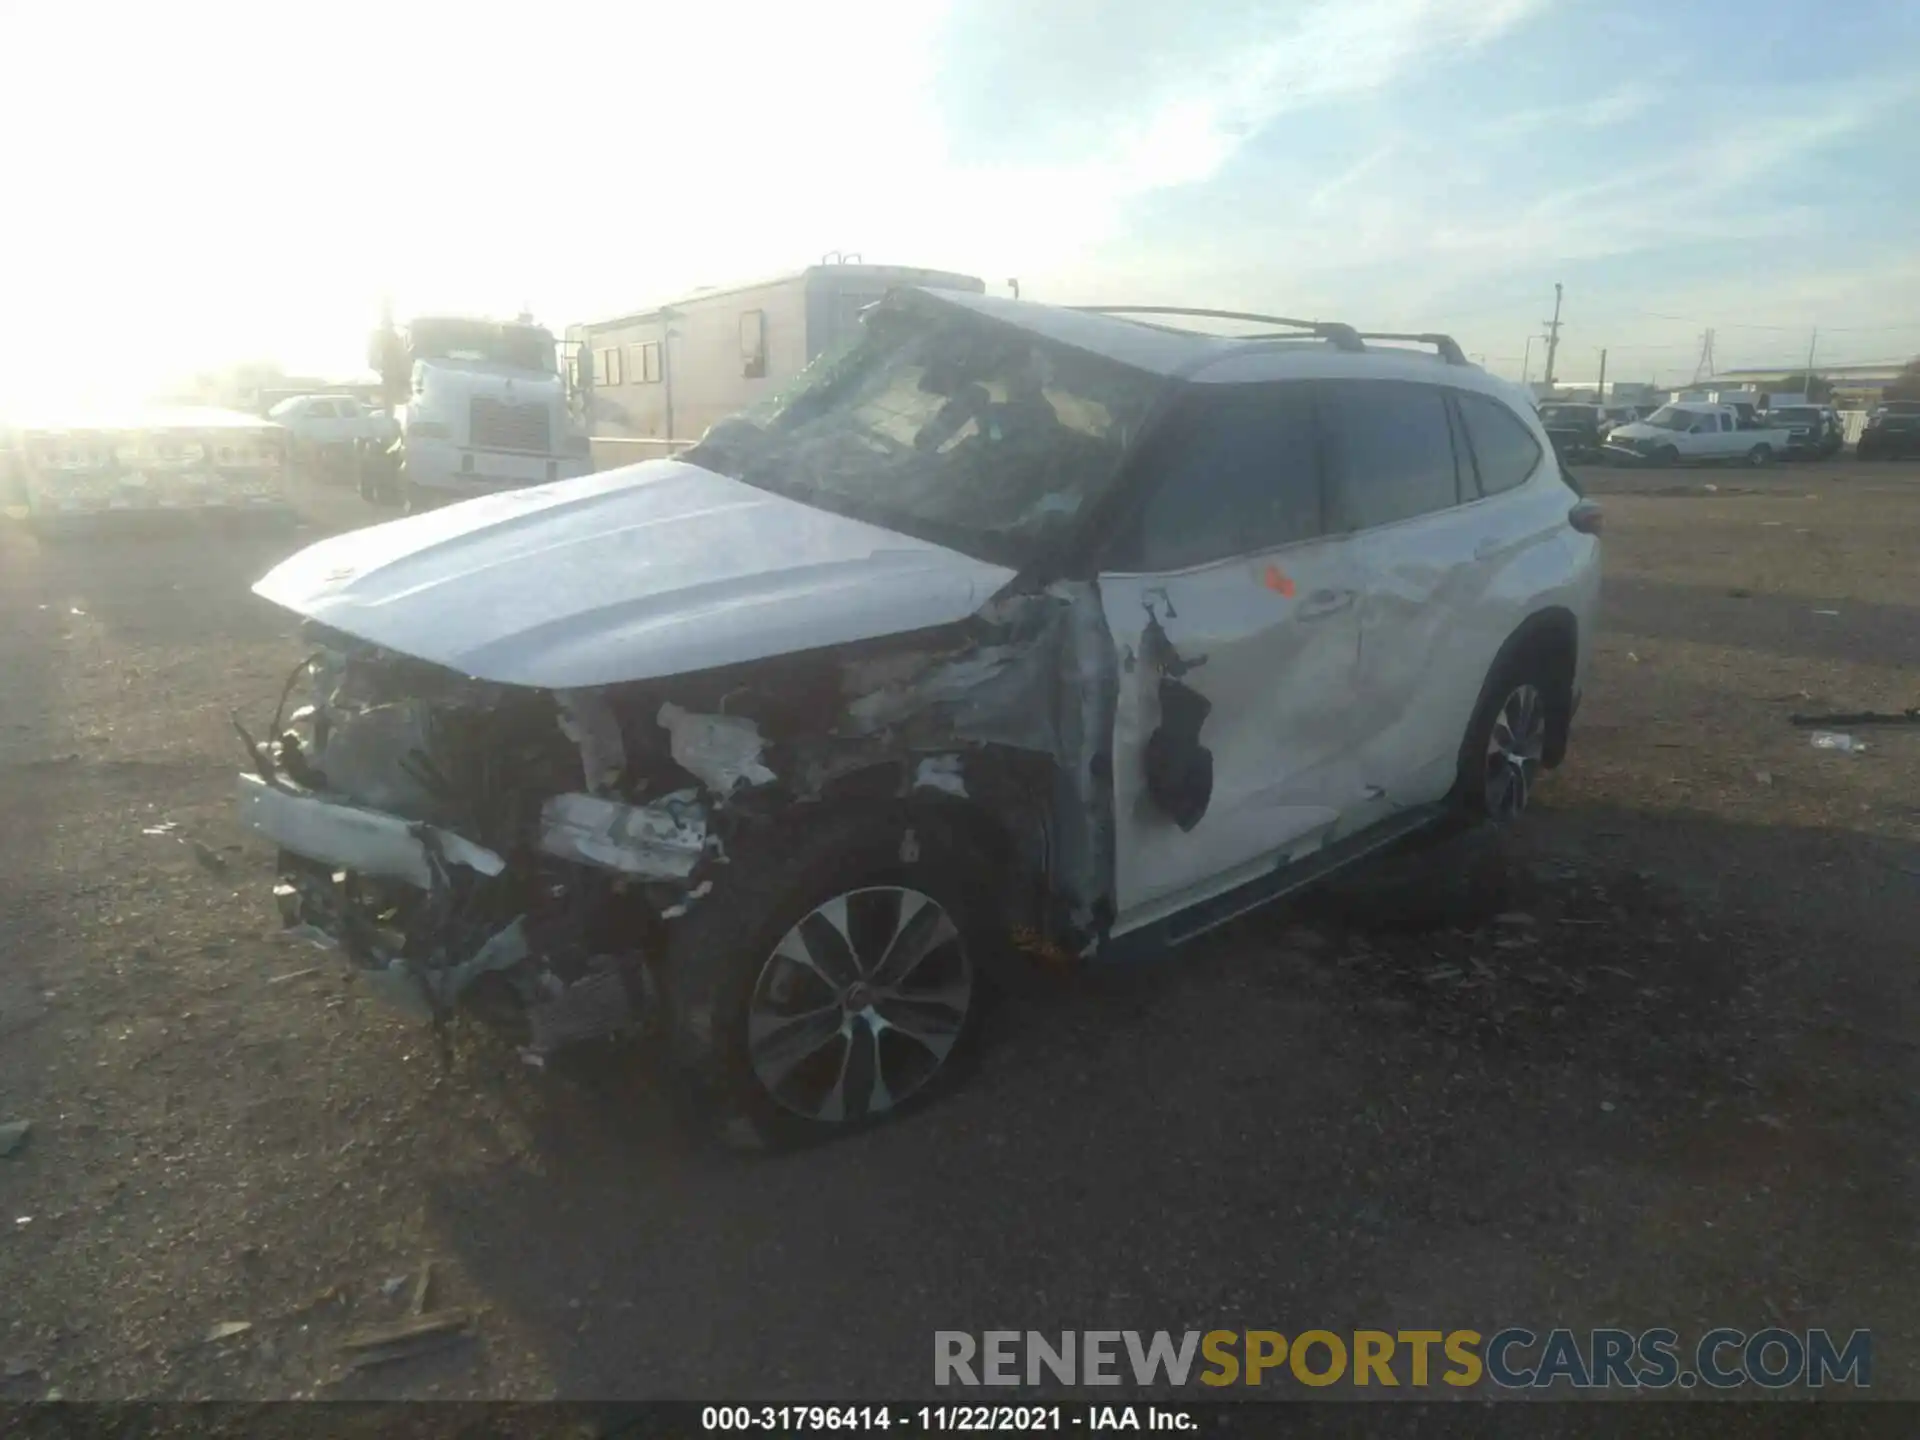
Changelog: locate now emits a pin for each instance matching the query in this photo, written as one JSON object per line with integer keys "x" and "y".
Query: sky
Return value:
{"x": 201, "y": 183}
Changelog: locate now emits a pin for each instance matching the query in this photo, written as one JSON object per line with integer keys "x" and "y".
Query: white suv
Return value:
{"x": 1009, "y": 636}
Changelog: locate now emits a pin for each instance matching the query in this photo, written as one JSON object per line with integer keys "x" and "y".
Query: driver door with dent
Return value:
{"x": 1234, "y": 615}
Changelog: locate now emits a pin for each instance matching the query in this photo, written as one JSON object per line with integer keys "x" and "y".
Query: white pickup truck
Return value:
{"x": 1696, "y": 433}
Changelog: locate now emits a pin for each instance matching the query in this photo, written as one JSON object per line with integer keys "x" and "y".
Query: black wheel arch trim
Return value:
{"x": 1556, "y": 630}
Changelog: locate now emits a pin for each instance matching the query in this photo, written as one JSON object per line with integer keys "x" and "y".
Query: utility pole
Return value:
{"x": 1553, "y": 334}
{"x": 1602, "y": 396}
{"x": 667, "y": 332}
{"x": 1526, "y": 361}
{"x": 1705, "y": 364}
{"x": 1812, "y": 341}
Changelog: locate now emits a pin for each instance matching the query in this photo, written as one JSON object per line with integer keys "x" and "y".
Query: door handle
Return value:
{"x": 1322, "y": 603}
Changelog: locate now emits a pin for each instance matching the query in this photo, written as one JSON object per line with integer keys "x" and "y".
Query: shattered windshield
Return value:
{"x": 945, "y": 425}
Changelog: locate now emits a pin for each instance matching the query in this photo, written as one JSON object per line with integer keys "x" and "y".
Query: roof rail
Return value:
{"x": 1448, "y": 347}
{"x": 1344, "y": 337}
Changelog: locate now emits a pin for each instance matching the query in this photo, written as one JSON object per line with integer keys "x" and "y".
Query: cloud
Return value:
{"x": 1142, "y": 97}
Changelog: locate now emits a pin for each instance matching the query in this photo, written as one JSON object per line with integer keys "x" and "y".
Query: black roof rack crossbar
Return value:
{"x": 1344, "y": 337}
{"x": 1448, "y": 347}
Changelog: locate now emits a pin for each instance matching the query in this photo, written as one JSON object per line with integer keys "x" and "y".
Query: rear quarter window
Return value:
{"x": 1390, "y": 451}
{"x": 1505, "y": 454}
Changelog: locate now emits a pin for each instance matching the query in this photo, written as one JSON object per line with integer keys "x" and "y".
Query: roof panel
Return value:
{"x": 1144, "y": 347}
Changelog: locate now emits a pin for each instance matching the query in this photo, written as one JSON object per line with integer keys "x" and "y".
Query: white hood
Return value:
{"x": 1637, "y": 430}
{"x": 655, "y": 569}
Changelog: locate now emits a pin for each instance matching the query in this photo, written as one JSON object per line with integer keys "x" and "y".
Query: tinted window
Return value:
{"x": 1504, "y": 451}
{"x": 1239, "y": 476}
{"x": 320, "y": 410}
{"x": 1390, "y": 449}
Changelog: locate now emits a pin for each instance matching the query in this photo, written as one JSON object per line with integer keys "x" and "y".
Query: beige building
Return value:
{"x": 665, "y": 375}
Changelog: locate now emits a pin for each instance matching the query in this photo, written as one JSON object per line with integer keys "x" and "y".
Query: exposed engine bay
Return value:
{"x": 527, "y": 852}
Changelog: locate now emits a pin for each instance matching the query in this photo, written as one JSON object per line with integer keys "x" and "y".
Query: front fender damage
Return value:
{"x": 602, "y": 816}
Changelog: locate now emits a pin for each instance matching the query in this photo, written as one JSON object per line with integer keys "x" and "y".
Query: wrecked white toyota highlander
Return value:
{"x": 1008, "y": 636}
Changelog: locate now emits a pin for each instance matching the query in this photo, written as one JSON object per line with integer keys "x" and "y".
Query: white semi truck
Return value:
{"x": 482, "y": 405}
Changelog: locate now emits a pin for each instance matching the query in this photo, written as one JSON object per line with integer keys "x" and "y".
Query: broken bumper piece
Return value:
{"x": 345, "y": 869}
{"x": 365, "y": 841}
{"x": 660, "y": 841}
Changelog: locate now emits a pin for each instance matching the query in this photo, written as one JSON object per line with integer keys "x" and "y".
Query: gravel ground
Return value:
{"x": 1649, "y": 1058}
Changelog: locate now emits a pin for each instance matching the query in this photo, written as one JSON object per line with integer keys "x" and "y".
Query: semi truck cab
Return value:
{"x": 482, "y": 405}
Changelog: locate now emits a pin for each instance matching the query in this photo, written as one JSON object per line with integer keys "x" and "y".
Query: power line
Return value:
{"x": 1831, "y": 329}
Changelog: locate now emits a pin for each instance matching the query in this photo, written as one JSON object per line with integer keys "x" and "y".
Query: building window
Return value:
{"x": 753, "y": 344}
{"x": 646, "y": 363}
{"x": 607, "y": 369}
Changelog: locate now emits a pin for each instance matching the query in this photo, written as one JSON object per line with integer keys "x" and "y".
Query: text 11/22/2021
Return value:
{"x": 937, "y": 1419}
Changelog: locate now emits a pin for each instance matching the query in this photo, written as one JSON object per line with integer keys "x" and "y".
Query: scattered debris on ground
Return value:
{"x": 407, "y": 1339}
{"x": 1414, "y": 1092}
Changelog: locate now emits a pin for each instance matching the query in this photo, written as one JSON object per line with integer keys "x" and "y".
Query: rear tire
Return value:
{"x": 1528, "y": 696}
{"x": 758, "y": 971}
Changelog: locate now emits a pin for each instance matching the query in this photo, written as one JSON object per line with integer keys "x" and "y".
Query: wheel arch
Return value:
{"x": 1552, "y": 634}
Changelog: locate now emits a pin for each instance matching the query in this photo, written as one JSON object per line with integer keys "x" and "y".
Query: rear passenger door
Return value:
{"x": 1424, "y": 543}
{"x": 1234, "y": 615}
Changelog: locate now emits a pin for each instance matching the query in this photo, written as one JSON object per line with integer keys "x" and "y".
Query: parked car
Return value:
{"x": 332, "y": 428}
{"x": 1576, "y": 430}
{"x": 1614, "y": 416}
{"x": 1813, "y": 431}
{"x": 1696, "y": 434}
{"x": 1009, "y": 637}
{"x": 1892, "y": 431}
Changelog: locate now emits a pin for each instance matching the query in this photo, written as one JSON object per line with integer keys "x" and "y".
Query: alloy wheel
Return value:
{"x": 1514, "y": 748}
{"x": 859, "y": 1005}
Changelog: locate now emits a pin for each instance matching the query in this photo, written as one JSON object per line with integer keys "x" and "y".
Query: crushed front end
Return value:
{"x": 530, "y": 854}
{"x": 446, "y": 836}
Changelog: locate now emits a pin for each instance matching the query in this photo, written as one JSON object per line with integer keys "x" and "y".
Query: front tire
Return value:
{"x": 1760, "y": 456}
{"x": 1666, "y": 455}
{"x": 416, "y": 499}
{"x": 835, "y": 977}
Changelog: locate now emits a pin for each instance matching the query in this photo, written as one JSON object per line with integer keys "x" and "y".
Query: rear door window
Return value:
{"x": 1390, "y": 451}
{"x": 1239, "y": 476}
{"x": 1504, "y": 451}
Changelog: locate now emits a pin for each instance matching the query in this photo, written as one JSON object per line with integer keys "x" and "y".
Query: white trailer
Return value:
{"x": 78, "y": 472}
{"x": 660, "y": 378}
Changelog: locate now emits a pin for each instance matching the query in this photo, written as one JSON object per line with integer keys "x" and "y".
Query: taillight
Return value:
{"x": 1585, "y": 517}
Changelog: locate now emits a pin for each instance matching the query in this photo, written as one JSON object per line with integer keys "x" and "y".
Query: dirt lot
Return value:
{"x": 1675, "y": 1082}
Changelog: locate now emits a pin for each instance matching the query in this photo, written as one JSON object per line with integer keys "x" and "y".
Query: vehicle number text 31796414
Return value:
{"x": 780, "y": 1419}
